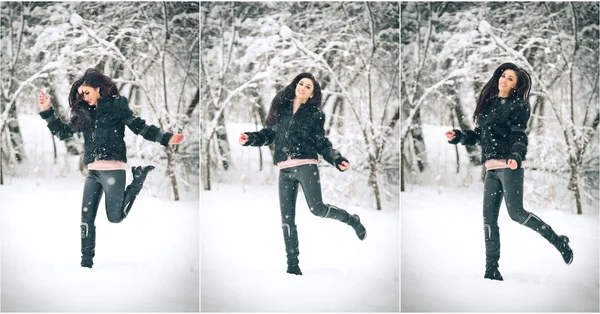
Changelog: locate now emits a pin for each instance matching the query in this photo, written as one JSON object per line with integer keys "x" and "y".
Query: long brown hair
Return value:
{"x": 79, "y": 111}
{"x": 490, "y": 90}
{"x": 288, "y": 94}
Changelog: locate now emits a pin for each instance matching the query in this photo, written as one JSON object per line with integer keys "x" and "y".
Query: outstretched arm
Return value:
{"x": 325, "y": 148}
{"x": 263, "y": 137}
{"x": 56, "y": 126}
{"x": 466, "y": 137}
{"x": 148, "y": 131}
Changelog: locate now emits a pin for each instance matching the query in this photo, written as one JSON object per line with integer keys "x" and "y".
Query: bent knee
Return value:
{"x": 319, "y": 209}
{"x": 518, "y": 215}
{"x": 115, "y": 218}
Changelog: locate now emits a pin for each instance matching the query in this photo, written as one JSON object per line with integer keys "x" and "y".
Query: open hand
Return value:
{"x": 344, "y": 165}
{"x": 450, "y": 135}
{"x": 512, "y": 164}
{"x": 44, "y": 101}
{"x": 176, "y": 139}
{"x": 243, "y": 138}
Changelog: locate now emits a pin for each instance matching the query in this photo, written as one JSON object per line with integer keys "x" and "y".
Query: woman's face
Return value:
{"x": 89, "y": 94}
{"x": 507, "y": 81}
{"x": 304, "y": 89}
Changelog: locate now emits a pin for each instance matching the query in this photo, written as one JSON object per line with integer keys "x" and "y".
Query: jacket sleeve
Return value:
{"x": 466, "y": 137}
{"x": 263, "y": 137}
{"x": 138, "y": 125}
{"x": 56, "y": 126}
{"x": 517, "y": 137}
{"x": 324, "y": 146}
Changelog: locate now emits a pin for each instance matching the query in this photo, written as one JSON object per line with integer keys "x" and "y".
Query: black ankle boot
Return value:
{"x": 290, "y": 238}
{"x": 87, "y": 262}
{"x": 493, "y": 273}
{"x": 561, "y": 243}
{"x": 133, "y": 189}
{"x": 295, "y": 270}
{"x": 139, "y": 176}
{"x": 492, "y": 251}
{"x": 339, "y": 214}
{"x": 88, "y": 245}
{"x": 360, "y": 230}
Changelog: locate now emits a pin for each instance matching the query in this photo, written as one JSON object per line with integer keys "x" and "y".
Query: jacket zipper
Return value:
{"x": 94, "y": 148}
{"x": 288, "y": 130}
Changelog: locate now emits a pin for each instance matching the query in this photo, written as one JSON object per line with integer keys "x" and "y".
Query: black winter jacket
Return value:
{"x": 501, "y": 130}
{"x": 103, "y": 134}
{"x": 300, "y": 135}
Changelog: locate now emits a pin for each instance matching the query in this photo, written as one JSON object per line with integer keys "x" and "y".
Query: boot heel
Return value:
{"x": 563, "y": 247}
{"x": 493, "y": 273}
{"x": 360, "y": 230}
{"x": 294, "y": 270}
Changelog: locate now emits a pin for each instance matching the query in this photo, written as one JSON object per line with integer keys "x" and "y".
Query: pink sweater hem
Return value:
{"x": 295, "y": 162}
{"x": 499, "y": 164}
{"x": 106, "y": 165}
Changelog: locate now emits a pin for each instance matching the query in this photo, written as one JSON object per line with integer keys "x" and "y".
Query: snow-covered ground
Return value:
{"x": 443, "y": 249}
{"x": 147, "y": 263}
{"x": 443, "y": 258}
{"x": 243, "y": 255}
{"x": 244, "y": 263}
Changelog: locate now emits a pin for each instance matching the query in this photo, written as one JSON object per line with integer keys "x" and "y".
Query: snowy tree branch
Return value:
{"x": 125, "y": 61}
{"x": 407, "y": 125}
{"x": 355, "y": 35}
{"x": 47, "y": 67}
{"x": 320, "y": 59}
{"x": 212, "y": 126}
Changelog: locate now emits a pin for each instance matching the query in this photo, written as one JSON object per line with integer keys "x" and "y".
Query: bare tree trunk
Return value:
{"x": 537, "y": 115}
{"x": 402, "y": 158}
{"x": 1, "y": 162}
{"x": 373, "y": 181}
{"x": 223, "y": 143}
{"x": 15, "y": 133}
{"x": 574, "y": 185}
{"x": 54, "y": 148}
{"x": 207, "y": 182}
{"x": 171, "y": 170}
{"x": 419, "y": 142}
{"x": 193, "y": 104}
{"x": 339, "y": 111}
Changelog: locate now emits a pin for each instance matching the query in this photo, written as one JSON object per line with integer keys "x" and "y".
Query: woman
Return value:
{"x": 99, "y": 113}
{"x": 501, "y": 119}
{"x": 295, "y": 124}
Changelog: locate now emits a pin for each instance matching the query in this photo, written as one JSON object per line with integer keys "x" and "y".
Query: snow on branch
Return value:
{"x": 47, "y": 67}
{"x": 126, "y": 63}
{"x": 319, "y": 58}
{"x": 212, "y": 126}
{"x": 406, "y": 126}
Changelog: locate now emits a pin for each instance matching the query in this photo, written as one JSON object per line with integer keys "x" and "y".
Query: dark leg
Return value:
{"x": 133, "y": 189}
{"x": 92, "y": 193}
{"x": 492, "y": 199}
{"x": 308, "y": 175}
{"x": 113, "y": 183}
{"x": 119, "y": 203}
{"x": 288, "y": 193}
{"x": 513, "y": 186}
